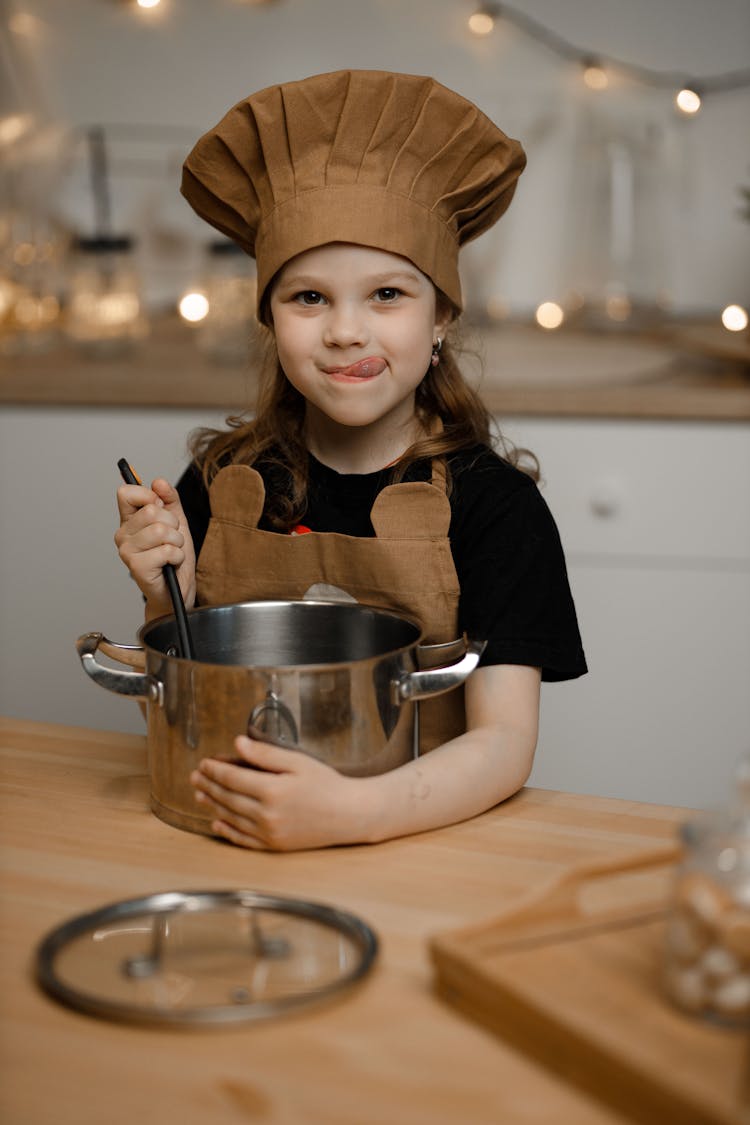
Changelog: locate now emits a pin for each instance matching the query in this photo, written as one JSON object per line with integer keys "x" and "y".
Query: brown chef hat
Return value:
{"x": 393, "y": 161}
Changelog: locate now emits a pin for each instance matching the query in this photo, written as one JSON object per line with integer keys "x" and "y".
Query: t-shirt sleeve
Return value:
{"x": 515, "y": 592}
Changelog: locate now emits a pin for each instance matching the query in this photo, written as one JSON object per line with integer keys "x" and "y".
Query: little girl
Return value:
{"x": 367, "y": 471}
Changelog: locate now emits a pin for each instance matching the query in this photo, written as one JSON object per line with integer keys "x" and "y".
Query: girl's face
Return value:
{"x": 354, "y": 330}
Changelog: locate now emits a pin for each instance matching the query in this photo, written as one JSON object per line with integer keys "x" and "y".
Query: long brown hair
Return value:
{"x": 276, "y": 431}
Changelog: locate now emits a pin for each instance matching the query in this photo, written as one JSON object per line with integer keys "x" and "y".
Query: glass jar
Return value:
{"x": 229, "y": 331}
{"x": 104, "y": 316}
{"x": 707, "y": 970}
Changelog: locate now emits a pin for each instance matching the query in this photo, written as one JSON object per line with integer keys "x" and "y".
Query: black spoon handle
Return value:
{"x": 184, "y": 640}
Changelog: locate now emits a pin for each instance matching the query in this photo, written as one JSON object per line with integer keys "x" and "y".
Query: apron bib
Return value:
{"x": 407, "y": 567}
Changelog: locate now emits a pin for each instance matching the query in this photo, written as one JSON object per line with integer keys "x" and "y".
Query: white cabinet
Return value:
{"x": 655, "y": 521}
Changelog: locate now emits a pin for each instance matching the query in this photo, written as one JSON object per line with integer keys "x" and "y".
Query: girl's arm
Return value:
{"x": 302, "y": 803}
{"x": 474, "y": 772}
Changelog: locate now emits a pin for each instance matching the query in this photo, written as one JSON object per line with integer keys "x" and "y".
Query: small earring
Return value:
{"x": 435, "y": 359}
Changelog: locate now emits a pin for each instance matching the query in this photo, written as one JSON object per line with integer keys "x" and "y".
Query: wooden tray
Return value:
{"x": 572, "y": 978}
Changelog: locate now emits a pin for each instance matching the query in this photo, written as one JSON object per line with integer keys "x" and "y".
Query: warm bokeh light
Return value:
{"x": 24, "y": 253}
{"x": 497, "y": 308}
{"x": 148, "y": 3}
{"x": 23, "y": 23}
{"x": 8, "y": 296}
{"x": 549, "y": 315}
{"x": 13, "y": 127}
{"x": 481, "y": 22}
{"x": 35, "y": 312}
{"x": 618, "y": 307}
{"x": 105, "y": 309}
{"x": 734, "y": 318}
{"x": 687, "y": 101}
{"x": 595, "y": 77}
{"x": 193, "y": 307}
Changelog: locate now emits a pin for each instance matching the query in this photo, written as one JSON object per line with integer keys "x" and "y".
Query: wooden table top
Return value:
{"x": 77, "y": 834}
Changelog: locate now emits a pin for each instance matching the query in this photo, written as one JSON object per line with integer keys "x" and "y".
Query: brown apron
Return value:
{"x": 407, "y": 567}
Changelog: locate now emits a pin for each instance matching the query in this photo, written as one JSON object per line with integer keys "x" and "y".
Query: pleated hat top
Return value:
{"x": 397, "y": 162}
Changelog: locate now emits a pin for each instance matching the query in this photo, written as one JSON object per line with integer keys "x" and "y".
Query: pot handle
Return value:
{"x": 136, "y": 685}
{"x": 434, "y": 681}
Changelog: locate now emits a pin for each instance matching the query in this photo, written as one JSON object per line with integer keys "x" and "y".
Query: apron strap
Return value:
{"x": 438, "y": 473}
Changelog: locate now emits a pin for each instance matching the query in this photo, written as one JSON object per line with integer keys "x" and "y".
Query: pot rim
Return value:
{"x": 271, "y": 602}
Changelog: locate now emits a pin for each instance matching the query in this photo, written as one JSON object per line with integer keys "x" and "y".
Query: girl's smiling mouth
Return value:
{"x": 366, "y": 368}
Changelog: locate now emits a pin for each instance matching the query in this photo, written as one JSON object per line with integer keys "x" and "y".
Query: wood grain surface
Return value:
{"x": 77, "y": 835}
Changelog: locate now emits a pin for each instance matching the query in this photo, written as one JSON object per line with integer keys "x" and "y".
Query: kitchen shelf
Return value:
{"x": 690, "y": 374}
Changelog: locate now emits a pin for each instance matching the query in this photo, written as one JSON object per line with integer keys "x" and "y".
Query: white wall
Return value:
{"x": 173, "y": 72}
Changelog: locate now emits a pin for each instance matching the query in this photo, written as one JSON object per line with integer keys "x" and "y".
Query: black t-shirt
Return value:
{"x": 506, "y": 550}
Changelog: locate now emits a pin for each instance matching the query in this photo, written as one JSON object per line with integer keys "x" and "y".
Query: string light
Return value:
{"x": 594, "y": 75}
{"x": 688, "y": 101}
{"x": 193, "y": 307}
{"x": 549, "y": 315}
{"x": 595, "y": 71}
{"x": 482, "y": 22}
{"x": 734, "y": 318}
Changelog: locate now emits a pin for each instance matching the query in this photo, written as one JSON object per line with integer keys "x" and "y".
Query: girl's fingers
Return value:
{"x": 238, "y": 828}
{"x": 166, "y": 492}
{"x": 153, "y": 535}
{"x": 231, "y": 800}
{"x": 146, "y": 562}
{"x": 150, "y": 515}
{"x": 237, "y": 836}
{"x": 266, "y": 756}
{"x": 132, "y": 497}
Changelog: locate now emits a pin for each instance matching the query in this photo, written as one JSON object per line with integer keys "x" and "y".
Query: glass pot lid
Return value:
{"x": 203, "y": 957}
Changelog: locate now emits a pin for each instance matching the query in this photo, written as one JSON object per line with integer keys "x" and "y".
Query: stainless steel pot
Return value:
{"x": 339, "y": 681}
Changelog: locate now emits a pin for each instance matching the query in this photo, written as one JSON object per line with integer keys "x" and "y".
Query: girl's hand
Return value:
{"x": 290, "y": 801}
{"x": 153, "y": 531}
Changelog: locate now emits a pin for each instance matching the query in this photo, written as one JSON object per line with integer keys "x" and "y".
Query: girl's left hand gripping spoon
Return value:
{"x": 184, "y": 640}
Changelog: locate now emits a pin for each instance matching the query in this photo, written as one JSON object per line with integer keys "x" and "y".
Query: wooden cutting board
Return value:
{"x": 573, "y": 979}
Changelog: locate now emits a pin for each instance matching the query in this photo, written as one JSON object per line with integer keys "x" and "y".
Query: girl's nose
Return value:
{"x": 345, "y": 326}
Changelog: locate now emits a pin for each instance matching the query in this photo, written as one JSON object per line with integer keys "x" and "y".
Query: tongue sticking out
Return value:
{"x": 365, "y": 368}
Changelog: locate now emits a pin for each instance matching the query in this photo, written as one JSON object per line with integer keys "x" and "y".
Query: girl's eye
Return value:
{"x": 309, "y": 297}
{"x": 387, "y": 294}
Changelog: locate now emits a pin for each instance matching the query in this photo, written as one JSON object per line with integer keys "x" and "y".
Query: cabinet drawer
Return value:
{"x": 669, "y": 490}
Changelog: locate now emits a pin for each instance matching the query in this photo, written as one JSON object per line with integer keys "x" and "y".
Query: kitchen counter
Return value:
{"x": 699, "y": 372}
{"x": 77, "y": 834}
